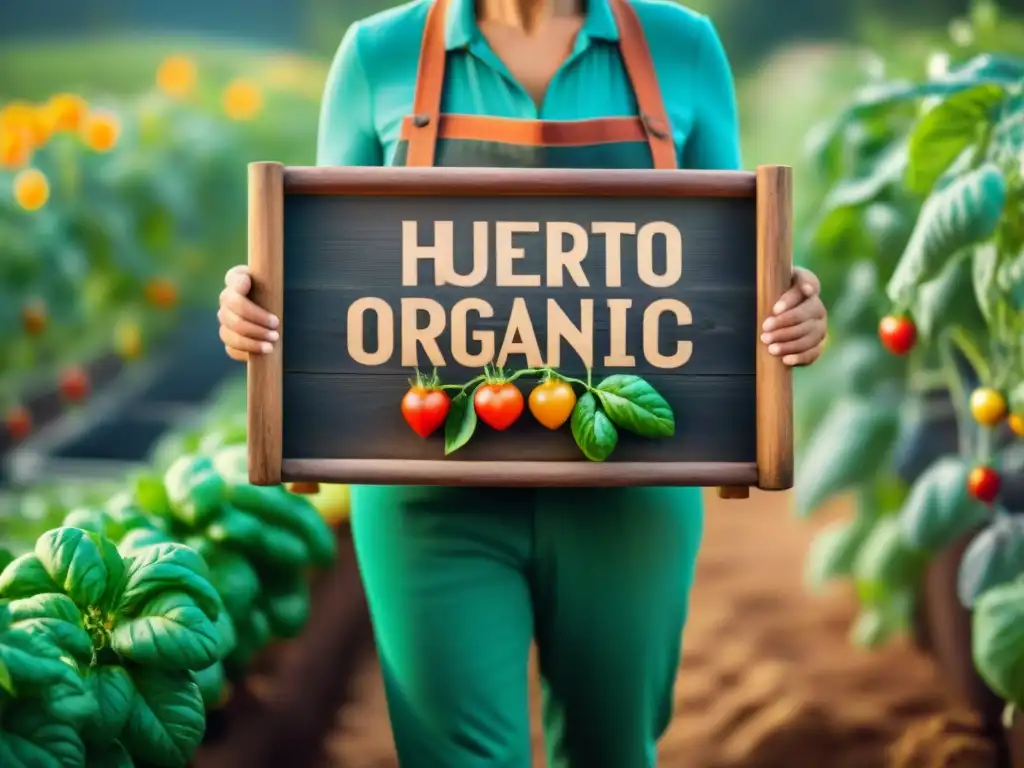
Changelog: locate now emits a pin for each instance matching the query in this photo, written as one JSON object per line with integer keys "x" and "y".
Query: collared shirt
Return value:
{"x": 372, "y": 81}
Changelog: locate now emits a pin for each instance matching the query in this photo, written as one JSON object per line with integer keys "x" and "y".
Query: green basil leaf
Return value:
{"x": 139, "y": 539}
{"x": 75, "y": 562}
{"x": 226, "y": 633}
{"x": 170, "y": 632}
{"x": 235, "y": 527}
{"x": 997, "y": 639}
{"x": 32, "y": 660}
{"x": 25, "y": 576}
{"x": 167, "y": 718}
{"x": 235, "y": 580}
{"x": 195, "y": 489}
{"x": 69, "y": 700}
{"x": 71, "y": 638}
{"x": 634, "y": 405}
{"x": 211, "y": 682}
{"x": 253, "y": 634}
{"x": 592, "y": 429}
{"x": 287, "y": 607}
{"x": 112, "y": 688}
{"x": 280, "y": 548}
{"x": 460, "y": 423}
{"x": 88, "y": 519}
{"x": 946, "y": 130}
{"x": 111, "y": 756}
{"x": 6, "y": 682}
{"x": 31, "y": 738}
{"x": 48, "y": 606}
{"x": 168, "y": 567}
{"x": 114, "y": 563}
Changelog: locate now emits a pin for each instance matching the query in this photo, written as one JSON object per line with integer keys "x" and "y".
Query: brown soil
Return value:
{"x": 768, "y": 677}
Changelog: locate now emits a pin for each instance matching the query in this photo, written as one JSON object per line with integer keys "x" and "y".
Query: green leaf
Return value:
{"x": 634, "y": 405}
{"x": 997, "y": 640}
{"x": 849, "y": 447}
{"x": 47, "y": 606}
{"x": 31, "y": 738}
{"x": 112, "y": 756}
{"x": 167, "y": 718}
{"x": 287, "y": 606}
{"x": 116, "y": 569}
{"x": 68, "y": 700}
{"x": 112, "y": 688}
{"x": 886, "y": 562}
{"x": 25, "y": 576}
{"x": 460, "y": 423}
{"x": 995, "y": 556}
{"x": 32, "y": 660}
{"x": 69, "y": 637}
{"x": 235, "y": 527}
{"x": 592, "y": 429}
{"x": 139, "y": 539}
{"x": 88, "y": 519}
{"x": 1017, "y": 398}
{"x": 168, "y": 567}
{"x": 235, "y": 580}
{"x": 74, "y": 561}
{"x": 947, "y": 130}
{"x": 195, "y": 489}
{"x": 948, "y": 300}
{"x": 939, "y": 510}
{"x": 962, "y": 214}
{"x": 169, "y": 633}
{"x": 211, "y": 682}
{"x": 869, "y": 629}
{"x": 834, "y": 550}
{"x": 984, "y": 269}
{"x": 6, "y": 681}
{"x": 227, "y": 639}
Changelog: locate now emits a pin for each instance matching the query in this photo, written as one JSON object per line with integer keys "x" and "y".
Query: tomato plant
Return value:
{"x": 922, "y": 226}
{"x": 425, "y": 406}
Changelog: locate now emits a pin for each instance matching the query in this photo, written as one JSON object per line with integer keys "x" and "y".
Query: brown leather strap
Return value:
{"x": 534, "y": 133}
{"x": 426, "y": 103}
{"x": 636, "y": 57}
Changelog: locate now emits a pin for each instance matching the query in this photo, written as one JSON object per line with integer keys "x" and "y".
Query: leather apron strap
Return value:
{"x": 636, "y": 58}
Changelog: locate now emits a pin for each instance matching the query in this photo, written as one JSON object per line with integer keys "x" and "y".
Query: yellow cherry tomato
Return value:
{"x": 1017, "y": 424}
{"x": 988, "y": 406}
{"x": 551, "y": 402}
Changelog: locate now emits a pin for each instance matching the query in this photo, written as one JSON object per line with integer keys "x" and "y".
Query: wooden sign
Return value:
{"x": 644, "y": 290}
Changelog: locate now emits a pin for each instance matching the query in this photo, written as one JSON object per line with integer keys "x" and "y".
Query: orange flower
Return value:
{"x": 31, "y": 189}
{"x": 161, "y": 293}
{"x": 15, "y": 147}
{"x": 22, "y": 115}
{"x": 176, "y": 76}
{"x": 100, "y": 130}
{"x": 242, "y": 100}
{"x": 67, "y": 111}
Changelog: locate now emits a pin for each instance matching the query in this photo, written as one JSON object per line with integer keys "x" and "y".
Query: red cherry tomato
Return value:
{"x": 498, "y": 405}
{"x": 898, "y": 334}
{"x": 425, "y": 409}
{"x": 983, "y": 483}
{"x": 74, "y": 385}
{"x": 18, "y": 422}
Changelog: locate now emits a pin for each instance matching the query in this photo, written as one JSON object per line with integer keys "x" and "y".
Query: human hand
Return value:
{"x": 245, "y": 328}
{"x": 796, "y": 331}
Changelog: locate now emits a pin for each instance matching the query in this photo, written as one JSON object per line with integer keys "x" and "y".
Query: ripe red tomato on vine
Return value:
{"x": 425, "y": 406}
{"x": 18, "y": 423}
{"x": 74, "y": 384}
{"x": 983, "y": 483}
{"x": 897, "y": 333}
{"x": 499, "y": 404}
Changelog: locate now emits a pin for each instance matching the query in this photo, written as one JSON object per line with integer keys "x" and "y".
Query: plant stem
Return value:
{"x": 958, "y": 396}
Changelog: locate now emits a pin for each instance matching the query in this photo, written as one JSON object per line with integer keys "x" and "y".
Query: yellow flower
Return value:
{"x": 15, "y": 147}
{"x": 242, "y": 100}
{"x": 100, "y": 130}
{"x": 176, "y": 76}
{"x": 31, "y": 189}
{"x": 67, "y": 111}
{"x": 29, "y": 117}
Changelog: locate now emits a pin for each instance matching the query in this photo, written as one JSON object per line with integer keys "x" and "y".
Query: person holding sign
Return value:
{"x": 461, "y": 581}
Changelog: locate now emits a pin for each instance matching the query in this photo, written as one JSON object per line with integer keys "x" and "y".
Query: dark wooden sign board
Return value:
{"x": 325, "y": 404}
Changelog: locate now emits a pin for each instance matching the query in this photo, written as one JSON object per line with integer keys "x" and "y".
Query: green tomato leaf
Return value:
{"x": 592, "y": 430}
{"x": 634, "y": 405}
{"x": 31, "y": 738}
{"x": 849, "y": 447}
{"x": 74, "y": 561}
{"x": 997, "y": 640}
{"x": 984, "y": 270}
{"x": 834, "y": 551}
{"x": 948, "y": 300}
{"x": 1017, "y": 399}
{"x": 167, "y": 718}
{"x": 460, "y": 423}
{"x": 995, "y": 556}
{"x": 169, "y": 633}
{"x": 939, "y": 510}
{"x": 168, "y": 567}
{"x": 946, "y": 130}
{"x": 25, "y": 576}
{"x": 961, "y": 214}
{"x": 886, "y": 563}
{"x": 112, "y": 688}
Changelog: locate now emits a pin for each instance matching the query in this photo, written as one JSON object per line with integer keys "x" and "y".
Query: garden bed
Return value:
{"x": 280, "y": 714}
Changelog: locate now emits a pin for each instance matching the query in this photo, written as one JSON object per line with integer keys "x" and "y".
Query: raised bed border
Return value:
{"x": 311, "y": 679}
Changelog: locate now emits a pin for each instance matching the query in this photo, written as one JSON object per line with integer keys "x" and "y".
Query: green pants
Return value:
{"x": 460, "y": 581}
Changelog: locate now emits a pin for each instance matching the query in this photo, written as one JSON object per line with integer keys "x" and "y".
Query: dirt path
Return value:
{"x": 768, "y": 677}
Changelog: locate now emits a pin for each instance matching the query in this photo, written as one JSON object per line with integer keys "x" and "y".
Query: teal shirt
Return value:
{"x": 371, "y": 83}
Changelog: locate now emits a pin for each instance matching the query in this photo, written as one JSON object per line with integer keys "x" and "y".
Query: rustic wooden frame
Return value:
{"x": 770, "y": 185}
